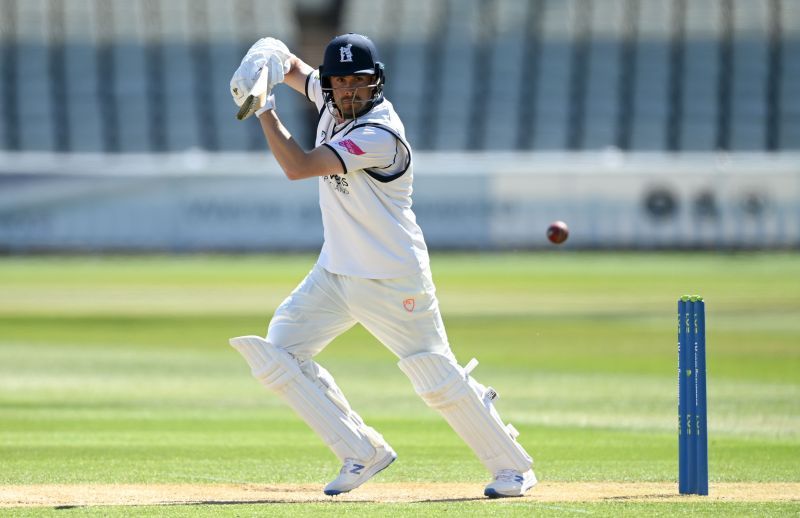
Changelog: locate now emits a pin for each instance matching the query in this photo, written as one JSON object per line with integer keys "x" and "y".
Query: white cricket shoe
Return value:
{"x": 510, "y": 482}
{"x": 355, "y": 472}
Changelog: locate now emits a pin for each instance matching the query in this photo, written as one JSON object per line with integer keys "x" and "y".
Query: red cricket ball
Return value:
{"x": 557, "y": 232}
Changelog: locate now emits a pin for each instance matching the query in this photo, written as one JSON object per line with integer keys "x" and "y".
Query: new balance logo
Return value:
{"x": 357, "y": 469}
{"x": 345, "y": 54}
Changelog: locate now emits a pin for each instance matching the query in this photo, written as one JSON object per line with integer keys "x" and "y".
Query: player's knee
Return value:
{"x": 436, "y": 378}
{"x": 272, "y": 366}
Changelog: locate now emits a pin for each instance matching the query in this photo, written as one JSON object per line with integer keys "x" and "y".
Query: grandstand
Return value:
{"x": 131, "y": 76}
{"x": 148, "y": 75}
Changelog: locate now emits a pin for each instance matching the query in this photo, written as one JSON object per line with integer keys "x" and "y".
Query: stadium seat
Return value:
{"x": 126, "y": 88}
{"x": 700, "y": 108}
{"x": 409, "y": 88}
{"x": 651, "y": 88}
{"x": 81, "y": 77}
{"x": 454, "y": 114}
{"x": 506, "y": 55}
{"x": 551, "y": 106}
{"x": 603, "y": 75}
{"x": 36, "y": 128}
{"x": 789, "y": 101}
{"x": 750, "y": 61}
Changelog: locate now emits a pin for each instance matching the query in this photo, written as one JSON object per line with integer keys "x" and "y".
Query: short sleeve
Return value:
{"x": 368, "y": 147}
{"x": 314, "y": 90}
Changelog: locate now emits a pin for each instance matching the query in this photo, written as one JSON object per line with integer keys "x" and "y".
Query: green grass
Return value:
{"x": 458, "y": 509}
{"x": 118, "y": 370}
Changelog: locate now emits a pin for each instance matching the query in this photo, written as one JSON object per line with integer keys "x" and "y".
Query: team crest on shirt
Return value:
{"x": 409, "y": 304}
{"x": 350, "y": 146}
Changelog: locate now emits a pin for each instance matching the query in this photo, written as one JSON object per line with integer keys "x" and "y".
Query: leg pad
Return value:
{"x": 467, "y": 406}
{"x": 311, "y": 392}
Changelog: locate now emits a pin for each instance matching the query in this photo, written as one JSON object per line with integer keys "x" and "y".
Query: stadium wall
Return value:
{"x": 198, "y": 201}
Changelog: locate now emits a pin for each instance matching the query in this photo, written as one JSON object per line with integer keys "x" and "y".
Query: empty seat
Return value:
{"x": 750, "y": 61}
{"x": 455, "y": 96}
{"x": 505, "y": 73}
{"x": 700, "y": 103}
{"x": 553, "y": 81}
{"x": 36, "y": 128}
{"x": 81, "y": 81}
{"x": 407, "y": 60}
{"x": 651, "y": 89}
{"x": 789, "y": 101}
{"x": 603, "y": 75}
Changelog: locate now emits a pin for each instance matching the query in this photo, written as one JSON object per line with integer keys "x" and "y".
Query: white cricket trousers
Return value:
{"x": 402, "y": 313}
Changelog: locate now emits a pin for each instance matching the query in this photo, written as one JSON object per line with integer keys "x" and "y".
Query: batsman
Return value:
{"x": 373, "y": 268}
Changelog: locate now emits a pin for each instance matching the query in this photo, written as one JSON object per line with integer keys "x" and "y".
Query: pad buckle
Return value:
{"x": 512, "y": 431}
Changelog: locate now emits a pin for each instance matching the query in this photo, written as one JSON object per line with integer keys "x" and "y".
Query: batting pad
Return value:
{"x": 311, "y": 392}
{"x": 467, "y": 406}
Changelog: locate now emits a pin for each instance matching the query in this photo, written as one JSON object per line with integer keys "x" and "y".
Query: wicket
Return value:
{"x": 692, "y": 410}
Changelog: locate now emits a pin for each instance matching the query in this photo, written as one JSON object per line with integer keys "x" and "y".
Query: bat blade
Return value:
{"x": 244, "y": 109}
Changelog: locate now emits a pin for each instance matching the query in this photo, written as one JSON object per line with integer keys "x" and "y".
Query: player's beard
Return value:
{"x": 357, "y": 104}
{"x": 353, "y": 108}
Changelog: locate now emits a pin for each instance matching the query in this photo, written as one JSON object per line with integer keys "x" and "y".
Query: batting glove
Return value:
{"x": 267, "y": 103}
{"x": 267, "y": 55}
{"x": 269, "y": 47}
{"x": 248, "y": 73}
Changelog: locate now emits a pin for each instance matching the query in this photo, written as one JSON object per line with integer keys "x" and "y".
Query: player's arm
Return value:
{"x": 297, "y": 163}
{"x": 298, "y": 74}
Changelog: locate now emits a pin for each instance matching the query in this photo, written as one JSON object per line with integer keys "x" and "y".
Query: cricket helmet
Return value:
{"x": 348, "y": 55}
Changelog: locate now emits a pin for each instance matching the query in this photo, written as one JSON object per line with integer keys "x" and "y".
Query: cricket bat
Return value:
{"x": 259, "y": 87}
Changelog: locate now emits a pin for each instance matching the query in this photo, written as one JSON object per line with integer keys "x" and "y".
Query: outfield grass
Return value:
{"x": 117, "y": 370}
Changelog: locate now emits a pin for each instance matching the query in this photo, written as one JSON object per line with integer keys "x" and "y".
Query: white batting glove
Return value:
{"x": 267, "y": 103}
{"x": 245, "y": 77}
{"x": 243, "y": 80}
{"x": 266, "y": 55}
{"x": 270, "y": 47}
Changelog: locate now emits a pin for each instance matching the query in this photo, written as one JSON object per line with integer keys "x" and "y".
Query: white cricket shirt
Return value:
{"x": 370, "y": 230}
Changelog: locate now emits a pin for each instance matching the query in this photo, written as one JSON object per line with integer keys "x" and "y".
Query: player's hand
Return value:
{"x": 263, "y": 67}
{"x": 252, "y": 80}
{"x": 248, "y": 73}
{"x": 243, "y": 80}
{"x": 265, "y": 103}
{"x": 266, "y": 53}
{"x": 269, "y": 47}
